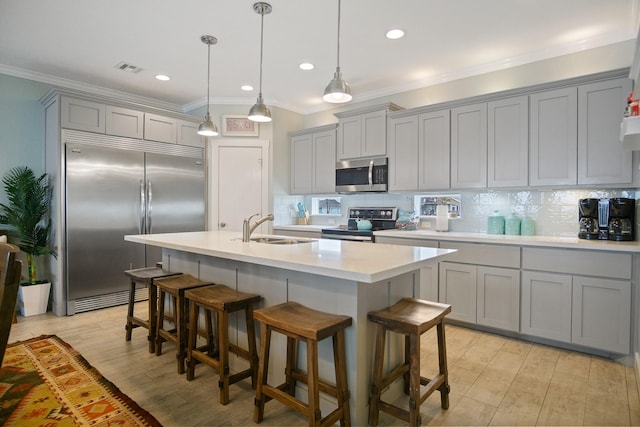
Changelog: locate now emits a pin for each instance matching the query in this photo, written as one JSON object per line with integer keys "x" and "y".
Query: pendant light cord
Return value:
{"x": 338, "y": 50}
{"x": 261, "y": 46}
{"x": 208, "y": 73}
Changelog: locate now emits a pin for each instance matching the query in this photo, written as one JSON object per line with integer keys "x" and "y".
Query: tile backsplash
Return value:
{"x": 555, "y": 212}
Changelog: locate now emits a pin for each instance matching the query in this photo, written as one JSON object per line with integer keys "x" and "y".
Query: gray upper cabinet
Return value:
{"x": 403, "y": 151}
{"x": 508, "y": 142}
{"x": 125, "y": 122}
{"x": 363, "y": 132}
{"x": 469, "y": 146}
{"x": 188, "y": 134}
{"x": 81, "y": 114}
{"x": 601, "y": 158}
{"x": 160, "y": 128}
{"x": 434, "y": 135}
{"x": 418, "y": 151}
{"x": 553, "y": 137}
{"x": 313, "y": 154}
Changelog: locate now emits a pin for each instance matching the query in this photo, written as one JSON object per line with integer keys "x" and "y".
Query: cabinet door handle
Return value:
{"x": 223, "y": 224}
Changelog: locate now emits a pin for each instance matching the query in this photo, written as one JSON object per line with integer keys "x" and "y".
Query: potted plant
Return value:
{"x": 27, "y": 219}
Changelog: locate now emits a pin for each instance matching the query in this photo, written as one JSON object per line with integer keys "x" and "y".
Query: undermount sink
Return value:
{"x": 278, "y": 240}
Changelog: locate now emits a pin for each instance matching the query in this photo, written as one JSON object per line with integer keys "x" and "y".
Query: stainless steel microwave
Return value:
{"x": 362, "y": 175}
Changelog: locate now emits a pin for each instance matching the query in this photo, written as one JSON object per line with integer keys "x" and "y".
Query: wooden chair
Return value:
{"x": 411, "y": 318}
{"x": 10, "y": 271}
{"x": 302, "y": 324}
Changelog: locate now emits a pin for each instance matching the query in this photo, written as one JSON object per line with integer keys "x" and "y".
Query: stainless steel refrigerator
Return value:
{"x": 117, "y": 186}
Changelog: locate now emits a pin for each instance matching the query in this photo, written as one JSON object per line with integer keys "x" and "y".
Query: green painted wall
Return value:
{"x": 21, "y": 125}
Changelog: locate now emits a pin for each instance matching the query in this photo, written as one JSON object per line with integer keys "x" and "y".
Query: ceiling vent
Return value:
{"x": 128, "y": 67}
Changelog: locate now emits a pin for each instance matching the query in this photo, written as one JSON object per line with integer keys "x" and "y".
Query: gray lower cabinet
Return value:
{"x": 309, "y": 234}
{"x": 498, "y": 298}
{"x": 546, "y": 305}
{"x": 578, "y": 297}
{"x": 457, "y": 286}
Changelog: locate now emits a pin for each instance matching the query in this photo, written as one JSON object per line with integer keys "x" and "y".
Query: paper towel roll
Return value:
{"x": 442, "y": 218}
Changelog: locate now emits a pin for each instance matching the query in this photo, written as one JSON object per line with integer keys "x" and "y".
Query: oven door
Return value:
{"x": 352, "y": 236}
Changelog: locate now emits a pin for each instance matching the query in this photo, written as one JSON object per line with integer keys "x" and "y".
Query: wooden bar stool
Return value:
{"x": 221, "y": 301}
{"x": 300, "y": 323}
{"x": 145, "y": 277}
{"x": 175, "y": 287}
{"x": 410, "y": 317}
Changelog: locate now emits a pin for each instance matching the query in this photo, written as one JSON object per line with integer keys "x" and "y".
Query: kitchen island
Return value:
{"x": 340, "y": 277}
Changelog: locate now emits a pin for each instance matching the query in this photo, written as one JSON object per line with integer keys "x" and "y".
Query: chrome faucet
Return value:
{"x": 247, "y": 228}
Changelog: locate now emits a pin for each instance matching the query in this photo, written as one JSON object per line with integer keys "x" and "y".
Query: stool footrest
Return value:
{"x": 325, "y": 386}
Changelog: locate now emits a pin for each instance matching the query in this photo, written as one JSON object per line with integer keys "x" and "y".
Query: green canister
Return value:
{"x": 528, "y": 227}
{"x": 512, "y": 225}
{"x": 495, "y": 223}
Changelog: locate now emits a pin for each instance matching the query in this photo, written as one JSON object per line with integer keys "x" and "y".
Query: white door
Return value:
{"x": 239, "y": 182}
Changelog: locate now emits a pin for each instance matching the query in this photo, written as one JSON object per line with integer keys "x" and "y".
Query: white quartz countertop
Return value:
{"x": 539, "y": 241}
{"x": 356, "y": 261}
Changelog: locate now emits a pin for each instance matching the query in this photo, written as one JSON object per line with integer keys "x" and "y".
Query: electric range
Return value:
{"x": 381, "y": 219}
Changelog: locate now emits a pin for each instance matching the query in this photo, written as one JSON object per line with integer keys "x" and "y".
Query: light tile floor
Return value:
{"x": 494, "y": 380}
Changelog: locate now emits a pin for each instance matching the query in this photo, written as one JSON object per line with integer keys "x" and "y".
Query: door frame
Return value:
{"x": 213, "y": 158}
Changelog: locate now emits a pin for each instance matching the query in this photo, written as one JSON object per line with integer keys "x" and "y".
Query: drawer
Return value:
{"x": 585, "y": 263}
{"x": 483, "y": 254}
{"x": 407, "y": 242}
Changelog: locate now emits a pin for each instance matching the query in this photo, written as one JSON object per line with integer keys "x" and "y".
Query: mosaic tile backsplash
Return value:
{"x": 555, "y": 212}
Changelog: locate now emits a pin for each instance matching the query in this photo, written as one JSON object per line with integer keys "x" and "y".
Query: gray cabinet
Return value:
{"x": 457, "y": 286}
{"x": 124, "y": 122}
{"x": 160, "y": 128}
{"x": 363, "y": 132}
{"x": 187, "y": 134}
{"x": 313, "y": 153}
{"x": 469, "y": 146}
{"x": 581, "y": 297}
{"x": 483, "y": 285}
{"x": 546, "y": 305}
{"x": 302, "y": 232}
{"x": 418, "y": 151}
{"x": 601, "y": 158}
{"x": 553, "y": 127}
{"x": 81, "y": 114}
{"x": 508, "y": 142}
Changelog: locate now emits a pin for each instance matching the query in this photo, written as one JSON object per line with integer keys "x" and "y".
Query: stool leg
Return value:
{"x": 263, "y": 368}
{"x": 291, "y": 365}
{"x": 129, "y": 326}
{"x": 181, "y": 330}
{"x": 313, "y": 383}
{"x": 340, "y": 362}
{"x": 442, "y": 358}
{"x": 378, "y": 361}
{"x": 211, "y": 342}
{"x": 414, "y": 380}
{"x": 223, "y": 356}
{"x": 251, "y": 342}
{"x": 193, "y": 337}
{"x": 406, "y": 377}
{"x": 160, "y": 322}
{"x": 153, "y": 307}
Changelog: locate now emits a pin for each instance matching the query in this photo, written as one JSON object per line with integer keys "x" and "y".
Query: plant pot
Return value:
{"x": 33, "y": 299}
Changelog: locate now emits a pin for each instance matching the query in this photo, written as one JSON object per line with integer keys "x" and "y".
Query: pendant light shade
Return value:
{"x": 337, "y": 91}
{"x": 207, "y": 127}
{"x": 260, "y": 112}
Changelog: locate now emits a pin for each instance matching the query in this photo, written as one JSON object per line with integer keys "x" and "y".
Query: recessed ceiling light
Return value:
{"x": 306, "y": 66}
{"x": 396, "y": 33}
{"x": 246, "y": 87}
{"x": 163, "y": 77}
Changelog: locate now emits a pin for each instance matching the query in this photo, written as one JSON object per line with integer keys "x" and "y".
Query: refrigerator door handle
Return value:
{"x": 149, "y": 207}
{"x": 141, "y": 219}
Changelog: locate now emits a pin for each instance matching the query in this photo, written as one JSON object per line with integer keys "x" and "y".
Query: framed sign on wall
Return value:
{"x": 239, "y": 126}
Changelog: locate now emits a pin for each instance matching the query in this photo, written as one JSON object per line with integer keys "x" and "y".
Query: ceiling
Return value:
{"x": 67, "y": 42}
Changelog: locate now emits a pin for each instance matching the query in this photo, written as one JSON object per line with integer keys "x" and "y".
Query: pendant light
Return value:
{"x": 260, "y": 112}
{"x": 207, "y": 127}
{"x": 337, "y": 91}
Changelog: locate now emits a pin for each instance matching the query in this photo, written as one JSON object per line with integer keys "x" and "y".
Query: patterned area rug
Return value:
{"x": 45, "y": 382}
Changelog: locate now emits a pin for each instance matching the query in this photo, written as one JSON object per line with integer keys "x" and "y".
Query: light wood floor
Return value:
{"x": 494, "y": 380}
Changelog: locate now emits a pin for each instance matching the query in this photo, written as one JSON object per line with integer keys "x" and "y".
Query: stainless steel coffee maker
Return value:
{"x": 588, "y": 216}
{"x": 607, "y": 219}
